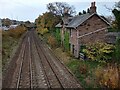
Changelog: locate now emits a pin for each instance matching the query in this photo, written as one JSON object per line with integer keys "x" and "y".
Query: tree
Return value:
{"x": 117, "y": 52}
{"x": 47, "y": 21}
{"x": 117, "y": 5}
{"x": 117, "y": 18}
{"x": 116, "y": 12}
{"x": 6, "y": 22}
{"x": 59, "y": 7}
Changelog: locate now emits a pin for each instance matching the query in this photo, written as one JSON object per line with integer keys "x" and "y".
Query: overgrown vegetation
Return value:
{"x": 58, "y": 36}
{"x": 47, "y": 22}
{"x": 66, "y": 41}
{"x": 101, "y": 52}
{"x": 117, "y": 50}
{"x": 84, "y": 71}
{"x": 107, "y": 76}
{"x": 101, "y": 69}
{"x": 10, "y": 40}
{"x": 116, "y": 24}
{"x": 52, "y": 41}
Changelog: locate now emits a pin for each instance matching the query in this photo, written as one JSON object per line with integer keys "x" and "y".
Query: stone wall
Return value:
{"x": 92, "y": 24}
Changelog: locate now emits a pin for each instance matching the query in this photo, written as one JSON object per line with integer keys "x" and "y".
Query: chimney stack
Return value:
{"x": 93, "y": 8}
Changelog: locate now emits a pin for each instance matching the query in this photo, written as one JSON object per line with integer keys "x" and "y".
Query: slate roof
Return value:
{"x": 65, "y": 21}
{"x": 79, "y": 19}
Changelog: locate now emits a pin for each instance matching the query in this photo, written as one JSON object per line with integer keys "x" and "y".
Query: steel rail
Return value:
{"x": 38, "y": 43}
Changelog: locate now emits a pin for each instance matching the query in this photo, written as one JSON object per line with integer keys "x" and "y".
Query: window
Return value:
{"x": 69, "y": 46}
{"x": 73, "y": 48}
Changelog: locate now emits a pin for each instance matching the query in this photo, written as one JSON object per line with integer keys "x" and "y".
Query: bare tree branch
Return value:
{"x": 59, "y": 7}
{"x": 109, "y": 9}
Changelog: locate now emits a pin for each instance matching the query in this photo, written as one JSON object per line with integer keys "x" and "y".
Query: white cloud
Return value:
{"x": 30, "y": 9}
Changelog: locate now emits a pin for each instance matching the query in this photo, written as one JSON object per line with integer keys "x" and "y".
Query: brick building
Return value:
{"x": 83, "y": 29}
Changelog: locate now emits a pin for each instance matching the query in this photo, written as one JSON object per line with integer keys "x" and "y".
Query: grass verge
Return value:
{"x": 91, "y": 74}
{"x": 10, "y": 41}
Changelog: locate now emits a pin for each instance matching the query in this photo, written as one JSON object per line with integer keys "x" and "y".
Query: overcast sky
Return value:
{"x": 30, "y": 9}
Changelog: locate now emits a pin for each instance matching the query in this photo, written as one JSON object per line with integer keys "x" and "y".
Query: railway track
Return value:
{"x": 36, "y": 66}
{"x": 25, "y": 72}
{"x": 65, "y": 81}
{"x": 21, "y": 65}
{"x": 39, "y": 74}
{"x": 22, "y": 74}
{"x": 51, "y": 78}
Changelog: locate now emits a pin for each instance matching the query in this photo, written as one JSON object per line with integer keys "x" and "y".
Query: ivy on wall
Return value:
{"x": 66, "y": 41}
{"x": 58, "y": 35}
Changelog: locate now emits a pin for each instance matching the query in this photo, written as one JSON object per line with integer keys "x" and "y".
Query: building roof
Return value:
{"x": 79, "y": 19}
{"x": 13, "y": 26}
{"x": 65, "y": 21}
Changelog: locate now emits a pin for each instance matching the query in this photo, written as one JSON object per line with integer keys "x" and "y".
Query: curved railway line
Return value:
{"x": 35, "y": 66}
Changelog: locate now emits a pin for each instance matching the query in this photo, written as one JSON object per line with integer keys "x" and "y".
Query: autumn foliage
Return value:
{"x": 10, "y": 40}
{"x": 108, "y": 76}
{"x": 100, "y": 52}
{"x": 47, "y": 21}
{"x": 52, "y": 41}
{"x": 14, "y": 33}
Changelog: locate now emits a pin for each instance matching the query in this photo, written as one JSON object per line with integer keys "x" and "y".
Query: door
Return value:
{"x": 73, "y": 48}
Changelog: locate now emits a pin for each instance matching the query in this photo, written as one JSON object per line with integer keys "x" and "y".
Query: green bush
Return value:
{"x": 117, "y": 49}
{"x": 42, "y": 31}
{"x": 84, "y": 71}
{"x": 100, "y": 52}
{"x": 112, "y": 29}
